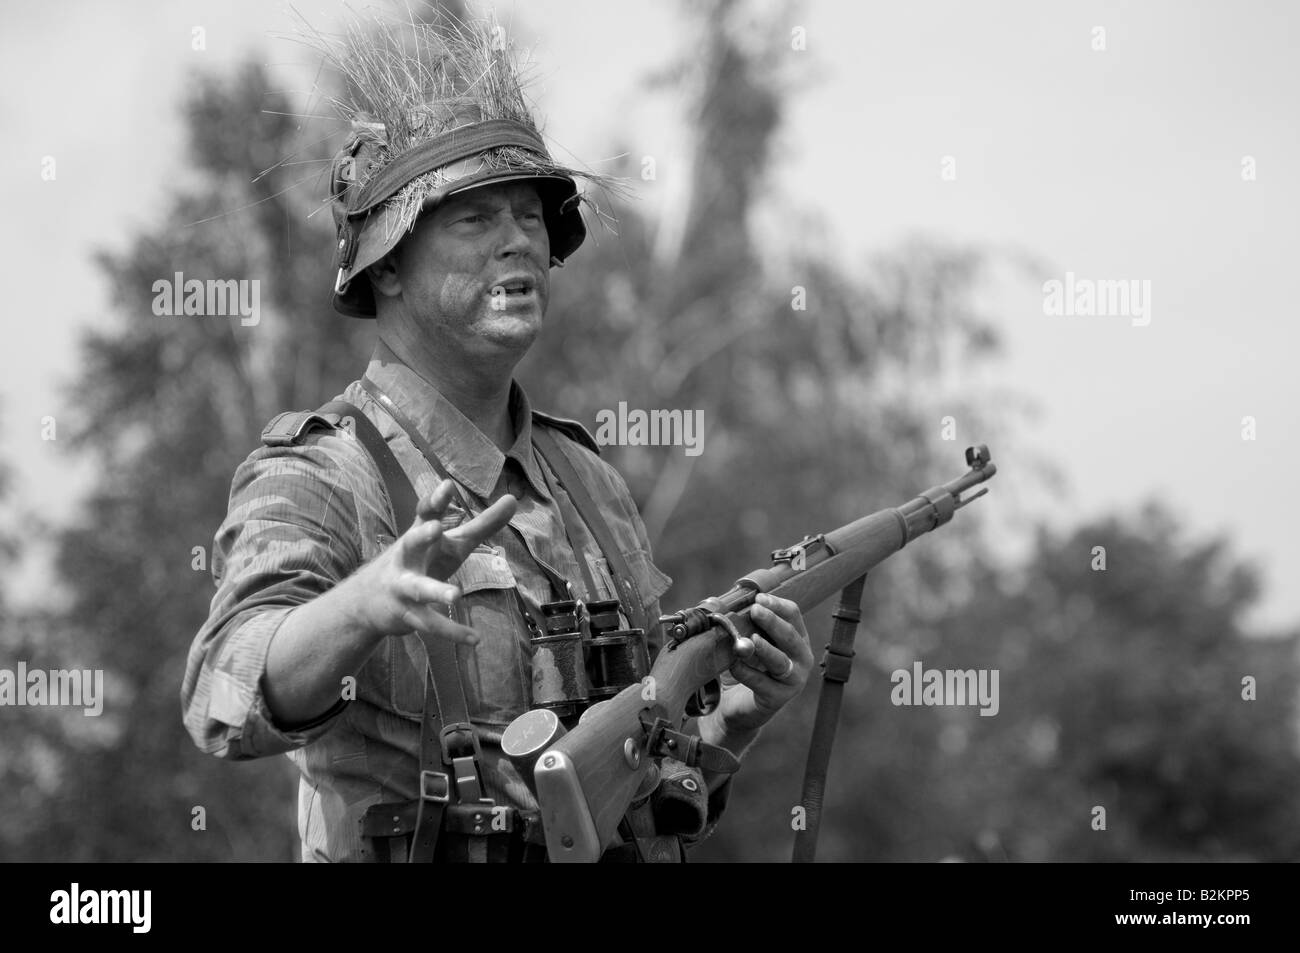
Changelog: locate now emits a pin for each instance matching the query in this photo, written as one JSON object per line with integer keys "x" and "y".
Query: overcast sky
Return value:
{"x": 1123, "y": 163}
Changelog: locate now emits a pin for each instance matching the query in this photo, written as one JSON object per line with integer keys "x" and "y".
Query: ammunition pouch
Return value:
{"x": 680, "y": 804}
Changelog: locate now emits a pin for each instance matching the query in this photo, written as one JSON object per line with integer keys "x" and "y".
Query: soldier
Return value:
{"x": 384, "y": 562}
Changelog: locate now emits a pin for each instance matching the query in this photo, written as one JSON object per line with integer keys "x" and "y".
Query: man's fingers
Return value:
{"x": 773, "y": 617}
{"x": 487, "y": 524}
{"x": 416, "y": 588}
{"x": 785, "y": 609}
{"x": 768, "y": 659}
{"x": 416, "y": 543}
{"x": 428, "y": 619}
{"x": 750, "y": 677}
{"x": 422, "y": 535}
{"x": 435, "y": 504}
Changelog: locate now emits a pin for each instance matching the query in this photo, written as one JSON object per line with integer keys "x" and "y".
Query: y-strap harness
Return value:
{"x": 455, "y": 800}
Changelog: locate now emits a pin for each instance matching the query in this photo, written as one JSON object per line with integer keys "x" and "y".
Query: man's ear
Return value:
{"x": 383, "y": 276}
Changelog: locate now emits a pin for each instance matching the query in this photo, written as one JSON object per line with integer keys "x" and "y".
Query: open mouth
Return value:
{"x": 515, "y": 287}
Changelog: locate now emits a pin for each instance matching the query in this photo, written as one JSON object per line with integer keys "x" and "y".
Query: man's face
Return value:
{"x": 475, "y": 271}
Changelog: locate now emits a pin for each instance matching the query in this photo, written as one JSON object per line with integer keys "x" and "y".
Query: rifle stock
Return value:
{"x": 586, "y": 780}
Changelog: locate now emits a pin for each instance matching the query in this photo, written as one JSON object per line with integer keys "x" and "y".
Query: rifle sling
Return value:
{"x": 836, "y": 666}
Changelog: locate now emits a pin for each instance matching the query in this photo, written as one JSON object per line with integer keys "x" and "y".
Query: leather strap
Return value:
{"x": 444, "y": 695}
{"x": 456, "y": 738}
{"x": 835, "y": 673}
{"x": 412, "y": 431}
{"x": 400, "y": 492}
{"x": 460, "y": 143}
{"x": 568, "y": 523}
{"x": 553, "y": 452}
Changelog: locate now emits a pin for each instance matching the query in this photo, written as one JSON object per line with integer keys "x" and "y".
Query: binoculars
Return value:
{"x": 572, "y": 670}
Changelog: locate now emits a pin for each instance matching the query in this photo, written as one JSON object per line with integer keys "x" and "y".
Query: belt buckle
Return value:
{"x": 435, "y": 786}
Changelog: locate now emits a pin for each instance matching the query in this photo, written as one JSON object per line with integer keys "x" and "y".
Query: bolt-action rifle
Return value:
{"x": 585, "y": 780}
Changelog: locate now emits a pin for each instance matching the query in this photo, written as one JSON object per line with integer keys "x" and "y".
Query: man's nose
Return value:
{"x": 514, "y": 239}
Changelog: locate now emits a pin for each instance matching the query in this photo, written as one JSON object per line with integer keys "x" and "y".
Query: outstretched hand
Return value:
{"x": 406, "y": 585}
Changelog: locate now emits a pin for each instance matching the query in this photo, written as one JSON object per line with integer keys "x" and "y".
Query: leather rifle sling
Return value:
{"x": 837, "y": 665}
{"x": 556, "y": 457}
{"x": 444, "y": 694}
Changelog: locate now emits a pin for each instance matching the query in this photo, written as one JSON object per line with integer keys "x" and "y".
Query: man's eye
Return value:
{"x": 471, "y": 218}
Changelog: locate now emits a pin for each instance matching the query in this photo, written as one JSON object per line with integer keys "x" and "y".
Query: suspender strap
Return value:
{"x": 386, "y": 402}
{"x": 552, "y": 450}
{"x": 569, "y": 521}
{"x": 454, "y": 745}
{"x": 400, "y": 492}
{"x": 443, "y": 667}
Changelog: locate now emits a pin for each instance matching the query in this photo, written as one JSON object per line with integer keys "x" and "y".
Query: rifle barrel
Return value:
{"x": 585, "y": 787}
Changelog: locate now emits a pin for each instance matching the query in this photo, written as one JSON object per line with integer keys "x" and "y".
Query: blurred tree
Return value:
{"x": 25, "y": 741}
{"x": 1123, "y": 689}
{"x": 168, "y": 407}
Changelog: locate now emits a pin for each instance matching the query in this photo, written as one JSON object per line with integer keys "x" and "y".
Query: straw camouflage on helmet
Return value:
{"x": 434, "y": 111}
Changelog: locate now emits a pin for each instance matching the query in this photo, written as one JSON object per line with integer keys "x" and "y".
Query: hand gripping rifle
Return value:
{"x": 585, "y": 780}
